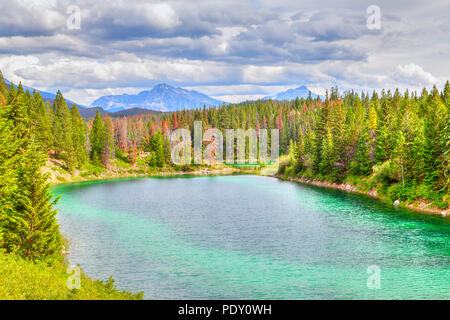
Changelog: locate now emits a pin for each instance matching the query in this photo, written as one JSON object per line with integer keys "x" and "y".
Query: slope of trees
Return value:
{"x": 31, "y": 261}
{"x": 396, "y": 143}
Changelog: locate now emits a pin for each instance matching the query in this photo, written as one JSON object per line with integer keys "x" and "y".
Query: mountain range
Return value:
{"x": 161, "y": 97}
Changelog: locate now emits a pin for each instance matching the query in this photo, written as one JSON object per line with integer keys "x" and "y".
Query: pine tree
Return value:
{"x": 401, "y": 154}
{"x": 40, "y": 121}
{"x": 9, "y": 150}
{"x": 78, "y": 136}
{"x": 327, "y": 158}
{"x": 97, "y": 139}
{"x": 108, "y": 144}
{"x": 62, "y": 131}
{"x": 157, "y": 158}
{"x": 361, "y": 161}
{"x": 31, "y": 229}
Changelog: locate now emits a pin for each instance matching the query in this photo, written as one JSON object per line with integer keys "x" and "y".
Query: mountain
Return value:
{"x": 292, "y": 94}
{"x": 161, "y": 97}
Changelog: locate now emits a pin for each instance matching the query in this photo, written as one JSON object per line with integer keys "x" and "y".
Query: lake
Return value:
{"x": 252, "y": 237}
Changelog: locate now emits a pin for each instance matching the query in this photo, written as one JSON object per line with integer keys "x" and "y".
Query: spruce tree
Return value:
{"x": 40, "y": 121}
{"x": 62, "y": 131}
{"x": 78, "y": 136}
{"x": 97, "y": 139}
{"x": 31, "y": 229}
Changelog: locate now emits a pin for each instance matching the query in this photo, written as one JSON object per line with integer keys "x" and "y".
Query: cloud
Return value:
{"x": 30, "y": 18}
{"x": 414, "y": 75}
{"x": 234, "y": 48}
{"x": 332, "y": 25}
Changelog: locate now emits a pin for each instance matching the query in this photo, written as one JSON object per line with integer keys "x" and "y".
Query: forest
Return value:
{"x": 32, "y": 265}
{"x": 396, "y": 143}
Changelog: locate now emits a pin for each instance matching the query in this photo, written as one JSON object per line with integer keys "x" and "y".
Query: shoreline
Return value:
{"x": 371, "y": 193}
{"x": 56, "y": 179}
{"x": 199, "y": 173}
{"x": 111, "y": 175}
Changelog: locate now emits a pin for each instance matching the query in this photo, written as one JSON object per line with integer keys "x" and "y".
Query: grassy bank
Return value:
{"x": 22, "y": 279}
{"x": 58, "y": 173}
{"x": 365, "y": 185}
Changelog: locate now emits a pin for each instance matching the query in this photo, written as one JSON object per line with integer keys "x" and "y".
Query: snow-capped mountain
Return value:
{"x": 292, "y": 94}
{"x": 161, "y": 97}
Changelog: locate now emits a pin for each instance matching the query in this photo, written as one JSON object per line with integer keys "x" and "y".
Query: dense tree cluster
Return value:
{"x": 396, "y": 143}
{"x": 28, "y": 225}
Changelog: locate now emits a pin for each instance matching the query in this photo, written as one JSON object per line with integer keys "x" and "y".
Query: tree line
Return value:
{"x": 397, "y": 143}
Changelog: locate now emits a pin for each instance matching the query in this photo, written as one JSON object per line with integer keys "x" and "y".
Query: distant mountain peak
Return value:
{"x": 163, "y": 86}
{"x": 292, "y": 94}
{"x": 162, "y": 97}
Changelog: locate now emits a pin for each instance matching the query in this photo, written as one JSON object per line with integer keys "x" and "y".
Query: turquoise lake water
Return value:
{"x": 251, "y": 237}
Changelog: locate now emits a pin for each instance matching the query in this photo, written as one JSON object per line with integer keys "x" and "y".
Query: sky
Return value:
{"x": 232, "y": 49}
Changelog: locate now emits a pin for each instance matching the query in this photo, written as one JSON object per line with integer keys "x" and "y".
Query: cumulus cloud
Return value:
{"x": 415, "y": 75}
{"x": 234, "y": 48}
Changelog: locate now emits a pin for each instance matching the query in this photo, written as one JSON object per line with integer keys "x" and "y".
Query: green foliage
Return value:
{"x": 78, "y": 136}
{"x": 397, "y": 143}
{"x": 30, "y": 228}
{"x": 62, "y": 131}
{"x": 22, "y": 279}
{"x": 157, "y": 158}
{"x": 90, "y": 169}
{"x": 97, "y": 139}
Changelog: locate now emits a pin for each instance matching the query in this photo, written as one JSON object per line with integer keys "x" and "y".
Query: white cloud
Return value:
{"x": 415, "y": 75}
{"x": 232, "y": 49}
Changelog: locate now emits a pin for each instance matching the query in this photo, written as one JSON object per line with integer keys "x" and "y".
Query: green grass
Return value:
{"x": 22, "y": 279}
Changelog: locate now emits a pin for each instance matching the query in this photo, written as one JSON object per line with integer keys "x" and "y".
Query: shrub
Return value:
{"x": 386, "y": 172}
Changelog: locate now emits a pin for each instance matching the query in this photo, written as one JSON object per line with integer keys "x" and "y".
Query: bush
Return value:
{"x": 283, "y": 164}
{"x": 396, "y": 191}
{"x": 387, "y": 172}
{"x": 119, "y": 154}
{"x": 92, "y": 170}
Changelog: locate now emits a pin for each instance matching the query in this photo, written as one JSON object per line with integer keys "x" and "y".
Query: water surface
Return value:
{"x": 251, "y": 237}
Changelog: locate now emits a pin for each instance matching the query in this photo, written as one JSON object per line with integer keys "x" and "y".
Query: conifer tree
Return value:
{"x": 97, "y": 139}
{"x": 40, "y": 121}
{"x": 62, "y": 131}
{"x": 31, "y": 229}
{"x": 78, "y": 136}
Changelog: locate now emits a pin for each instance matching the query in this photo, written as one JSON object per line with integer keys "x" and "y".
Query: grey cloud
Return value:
{"x": 332, "y": 25}
{"x": 191, "y": 43}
